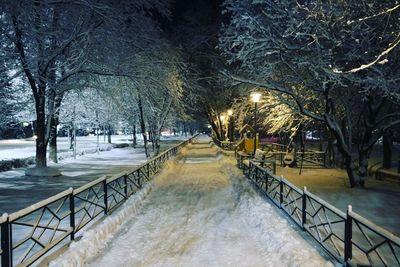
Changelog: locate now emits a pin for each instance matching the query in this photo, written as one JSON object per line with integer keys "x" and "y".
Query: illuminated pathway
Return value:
{"x": 200, "y": 212}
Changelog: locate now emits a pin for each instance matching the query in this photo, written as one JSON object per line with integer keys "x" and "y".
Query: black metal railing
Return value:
{"x": 275, "y": 147}
{"x": 308, "y": 158}
{"x": 32, "y": 232}
{"x": 348, "y": 237}
{"x": 311, "y": 158}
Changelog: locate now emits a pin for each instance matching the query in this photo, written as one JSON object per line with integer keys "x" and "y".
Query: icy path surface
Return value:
{"x": 200, "y": 213}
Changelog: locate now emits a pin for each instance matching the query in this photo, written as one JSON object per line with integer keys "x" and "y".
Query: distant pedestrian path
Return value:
{"x": 200, "y": 212}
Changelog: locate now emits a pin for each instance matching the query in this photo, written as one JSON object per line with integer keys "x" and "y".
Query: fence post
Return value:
{"x": 280, "y": 192}
{"x": 304, "y": 208}
{"x": 348, "y": 234}
{"x": 266, "y": 182}
{"x": 6, "y": 256}
{"x": 255, "y": 172}
{"x": 148, "y": 170}
{"x": 126, "y": 185}
{"x": 105, "y": 196}
{"x": 72, "y": 213}
{"x": 398, "y": 166}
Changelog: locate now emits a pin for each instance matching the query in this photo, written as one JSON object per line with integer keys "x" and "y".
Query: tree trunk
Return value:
{"x": 55, "y": 120}
{"x": 330, "y": 151}
{"x": 142, "y": 126}
{"x": 157, "y": 145}
{"x": 134, "y": 139}
{"x": 344, "y": 149}
{"x": 41, "y": 142}
{"x": 151, "y": 139}
{"x": 98, "y": 140}
{"x": 350, "y": 169}
{"x": 362, "y": 166}
{"x": 53, "y": 144}
{"x": 109, "y": 134}
{"x": 387, "y": 149}
{"x": 71, "y": 136}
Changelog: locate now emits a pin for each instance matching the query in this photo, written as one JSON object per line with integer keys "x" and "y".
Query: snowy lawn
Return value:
{"x": 23, "y": 148}
{"x": 18, "y": 191}
{"x": 200, "y": 212}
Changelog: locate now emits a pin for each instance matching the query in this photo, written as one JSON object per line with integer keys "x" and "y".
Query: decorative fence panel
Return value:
{"x": 348, "y": 237}
{"x": 30, "y": 233}
{"x": 89, "y": 202}
{"x": 311, "y": 158}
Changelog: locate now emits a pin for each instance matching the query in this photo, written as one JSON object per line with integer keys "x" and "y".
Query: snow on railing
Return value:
{"x": 31, "y": 233}
{"x": 348, "y": 237}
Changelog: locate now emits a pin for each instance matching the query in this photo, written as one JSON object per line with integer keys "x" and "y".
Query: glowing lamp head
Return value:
{"x": 256, "y": 97}
{"x": 230, "y": 112}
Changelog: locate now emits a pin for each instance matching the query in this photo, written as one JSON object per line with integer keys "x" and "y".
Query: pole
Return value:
{"x": 255, "y": 128}
{"x": 74, "y": 131}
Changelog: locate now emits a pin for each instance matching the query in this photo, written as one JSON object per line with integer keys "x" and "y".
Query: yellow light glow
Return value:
{"x": 230, "y": 112}
{"x": 256, "y": 97}
{"x": 222, "y": 117}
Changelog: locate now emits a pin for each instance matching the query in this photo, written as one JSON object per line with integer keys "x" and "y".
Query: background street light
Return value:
{"x": 256, "y": 98}
{"x": 230, "y": 125}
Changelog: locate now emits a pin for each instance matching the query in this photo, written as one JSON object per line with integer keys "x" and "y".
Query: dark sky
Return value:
{"x": 203, "y": 11}
{"x": 192, "y": 20}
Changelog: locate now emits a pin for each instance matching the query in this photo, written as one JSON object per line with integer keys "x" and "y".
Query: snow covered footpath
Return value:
{"x": 201, "y": 212}
{"x": 94, "y": 240}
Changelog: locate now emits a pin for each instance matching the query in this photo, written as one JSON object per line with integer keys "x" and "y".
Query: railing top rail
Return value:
{"x": 21, "y": 213}
{"x": 311, "y": 152}
{"x": 175, "y": 146}
{"x": 134, "y": 169}
{"x": 259, "y": 167}
{"x": 273, "y": 144}
{"x": 116, "y": 176}
{"x": 326, "y": 204}
{"x": 88, "y": 185}
{"x": 375, "y": 228}
{"x": 295, "y": 188}
{"x": 3, "y": 218}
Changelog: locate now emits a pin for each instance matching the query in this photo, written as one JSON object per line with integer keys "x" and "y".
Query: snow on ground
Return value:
{"x": 24, "y": 148}
{"x": 18, "y": 191}
{"x": 199, "y": 213}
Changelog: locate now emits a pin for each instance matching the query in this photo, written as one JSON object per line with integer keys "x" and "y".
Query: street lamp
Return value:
{"x": 256, "y": 98}
{"x": 221, "y": 124}
{"x": 230, "y": 125}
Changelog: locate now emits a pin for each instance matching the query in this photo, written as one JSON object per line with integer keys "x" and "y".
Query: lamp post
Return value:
{"x": 230, "y": 130}
{"x": 256, "y": 98}
{"x": 221, "y": 123}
